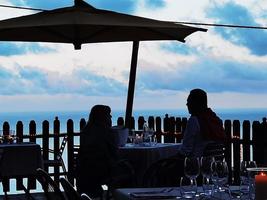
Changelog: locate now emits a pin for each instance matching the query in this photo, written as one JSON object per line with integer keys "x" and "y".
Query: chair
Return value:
{"x": 216, "y": 150}
{"x": 85, "y": 197}
{"x": 51, "y": 189}
{"x": 58, "y": 161}
{"x": 69, "y": 190}
{"x": 76, "y": 149}
{"x": 123, "y": 176}
{"x": 164, "y": 173}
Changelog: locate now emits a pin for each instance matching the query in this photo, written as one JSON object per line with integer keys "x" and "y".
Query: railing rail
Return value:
{"x": 245, "y": 141}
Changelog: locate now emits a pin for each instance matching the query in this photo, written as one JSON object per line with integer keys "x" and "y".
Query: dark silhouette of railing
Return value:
{"x": 251, "y": 146}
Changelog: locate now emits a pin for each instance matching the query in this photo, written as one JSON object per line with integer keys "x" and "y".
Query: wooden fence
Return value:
{"x": 251, "y": 146}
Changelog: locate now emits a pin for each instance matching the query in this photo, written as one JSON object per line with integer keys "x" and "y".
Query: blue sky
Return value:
{"x": 230, "y": 64}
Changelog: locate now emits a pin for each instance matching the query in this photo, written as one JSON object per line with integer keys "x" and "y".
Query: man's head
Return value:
{"x": 197, "y": 101}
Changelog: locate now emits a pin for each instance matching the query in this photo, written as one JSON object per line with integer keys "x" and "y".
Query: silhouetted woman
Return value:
{"x": 203, "y": 126}
{"x": 97, "y": 152}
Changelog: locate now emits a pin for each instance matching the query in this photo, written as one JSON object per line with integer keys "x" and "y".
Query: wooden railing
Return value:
{"x": 251, "y": 146}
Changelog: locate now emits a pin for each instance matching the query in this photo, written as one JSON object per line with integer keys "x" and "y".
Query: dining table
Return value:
{"x": 19, "y": 160}
{"x": 172, "y": 193}
{"x": 142, "y": 155}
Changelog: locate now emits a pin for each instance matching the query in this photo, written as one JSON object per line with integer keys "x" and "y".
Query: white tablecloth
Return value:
{"x": 141, "y": 157}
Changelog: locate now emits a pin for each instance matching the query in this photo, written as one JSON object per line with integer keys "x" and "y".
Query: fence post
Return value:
{"x": 82, "y": 124}
{"x": 236, "y": 150}
{"x": 258, "y": 143}
{"x": 158, "y": 129}
{"x": 264, "y": 132}
{"x": 45, "y": 130}
{"x": 19, "y": 134}
{"x": 132, "y": 123}
{"x": 56, "y": 147}
{"x": 170, "y": 134}
{"x": 184, "y": 122}
{"x": 228, "y": 148}
{"x": 151, "y": 122}
{"x": 19, "y": 131}
{"x": 178, "y": 128}
{"x": 141, "y": 122}
{"x": 166, "y": 127}
{"x": 70, "y": 133}
{"x": 32, "y": 181}
{"x": 32, "y": 132}
{"x": 6, "y": 129}
{"x": 246, "y": 140}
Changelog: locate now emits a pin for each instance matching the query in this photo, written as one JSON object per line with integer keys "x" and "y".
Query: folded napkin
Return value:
{"x": 153, "y": 195}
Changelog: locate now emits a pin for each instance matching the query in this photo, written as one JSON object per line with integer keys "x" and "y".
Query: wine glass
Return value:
{"x": 191, "y": 167}
{"x": 188, "y": 187}
{"x": 206, "y": 171}
{"x": 251, "y": 177}
{"x": 244, "y": 179}
{"x": 220, "y": 177}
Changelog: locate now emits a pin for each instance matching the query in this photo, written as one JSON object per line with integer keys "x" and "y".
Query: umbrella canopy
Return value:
{"x": 82, "y": 23}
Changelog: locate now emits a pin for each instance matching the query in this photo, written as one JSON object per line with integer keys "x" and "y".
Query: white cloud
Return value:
{"x": 29, "y": 103}
{"x": 6, "y": 13}
{"x": 174, "y": 10}
{"x": 112, "y": 60}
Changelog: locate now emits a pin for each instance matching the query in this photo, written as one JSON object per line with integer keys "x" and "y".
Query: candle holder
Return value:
{"x": 258, "y": 183}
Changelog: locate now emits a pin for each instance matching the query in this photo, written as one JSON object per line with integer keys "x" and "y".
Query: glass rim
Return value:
{"x": 256, "y": 169}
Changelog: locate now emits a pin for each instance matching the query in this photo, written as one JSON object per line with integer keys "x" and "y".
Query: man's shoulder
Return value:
{"x": 193, "y": 119}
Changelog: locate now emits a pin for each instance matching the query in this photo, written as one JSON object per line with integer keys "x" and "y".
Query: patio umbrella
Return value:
{"x": 82, "y": 23}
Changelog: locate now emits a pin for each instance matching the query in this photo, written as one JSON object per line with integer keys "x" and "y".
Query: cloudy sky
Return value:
{"x": 230, "y": 64}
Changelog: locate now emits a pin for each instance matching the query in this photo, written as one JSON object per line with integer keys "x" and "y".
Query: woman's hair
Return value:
{"x": 101, "y": 115}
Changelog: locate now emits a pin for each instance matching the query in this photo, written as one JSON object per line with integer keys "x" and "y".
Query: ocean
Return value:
{"x": 39, "y": 117}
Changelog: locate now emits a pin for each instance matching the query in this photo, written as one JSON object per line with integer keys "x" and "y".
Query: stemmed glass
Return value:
{"x": 206, "y": 171}
{"x": 220, "y": 177}
{"x": 244, "y": 179}
{"x": 251, "y": 179}
{"x": 191, "y": 167}
{"x": 191, "y": 171}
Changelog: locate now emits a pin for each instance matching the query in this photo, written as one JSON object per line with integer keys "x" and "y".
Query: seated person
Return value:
{"x": 98, "y": 161}
{"x": 203, "y": 126}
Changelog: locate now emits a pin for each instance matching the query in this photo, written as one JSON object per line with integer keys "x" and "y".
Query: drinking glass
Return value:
{"x": 220, "y": 178}
{"x": 188, "y": 187}
{"x": 191, "y": 167}
{"x": 153, "y": 140}
{"x": 206, "y": 171}
{"x": 244, "y": 179}
{"x": 222, "y": 172}
{"x": 251, "y": 165}
{"x": 207, "y": 186}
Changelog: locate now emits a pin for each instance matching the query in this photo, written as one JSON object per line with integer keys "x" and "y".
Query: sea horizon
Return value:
{"x": 251, "y": 114}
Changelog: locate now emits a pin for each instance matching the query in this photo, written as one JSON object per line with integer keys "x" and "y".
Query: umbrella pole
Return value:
{"x": 132, "y": 76}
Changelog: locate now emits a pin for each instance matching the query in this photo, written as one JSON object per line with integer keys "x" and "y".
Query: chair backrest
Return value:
{"x": 216, "y": 150}
{"x": 63, "y": 144}
{"x": 76, "y": 149}
{"x": 51, "y": 189}
{"x": 85, "y": 197}
{"x": 164, "y": 173}
{"x": 69, "y": 190}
